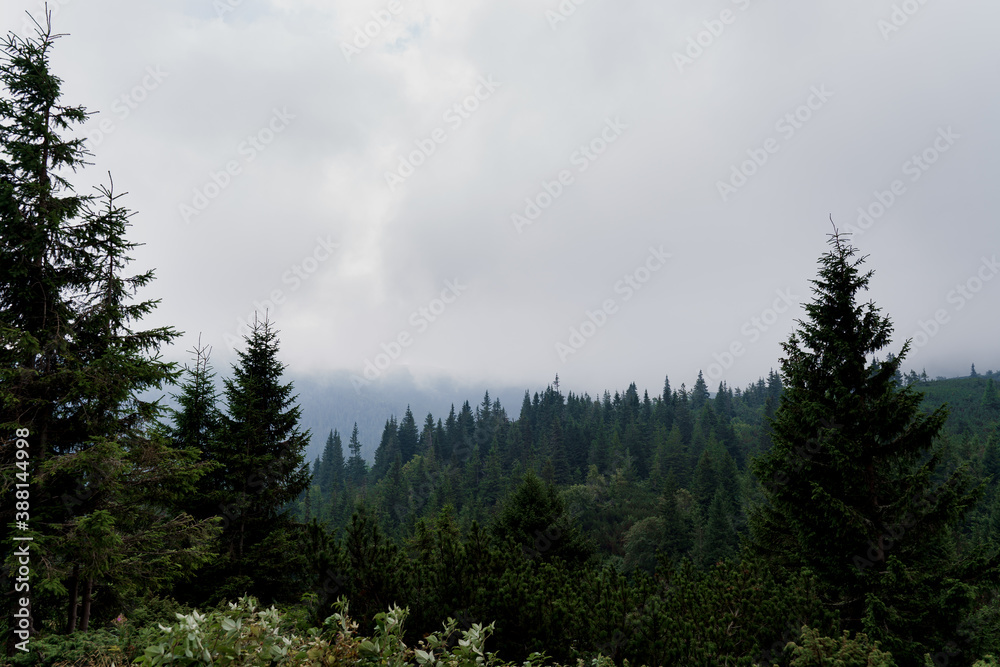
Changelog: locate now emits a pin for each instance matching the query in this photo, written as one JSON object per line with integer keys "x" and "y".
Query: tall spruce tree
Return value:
{"x": 135, "y": 501}
{"x": 73, "y": 369}
{"x": 329, "y": 474}
{"x": 408, "y": 436}
{"x": 263, "y": 453}
{"x": 357, "y": 469}
{"x": 850, "y": 483}
{"x": 196, "y": 424}
{"x": 699, "y": 393}
{"x": 719, "y": 536}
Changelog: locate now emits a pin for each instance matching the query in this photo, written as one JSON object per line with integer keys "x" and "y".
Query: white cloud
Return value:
{"x": 353, "y": 121}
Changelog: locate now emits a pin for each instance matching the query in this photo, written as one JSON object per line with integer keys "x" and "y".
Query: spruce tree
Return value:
{"x": 138, "y": 504}
{"x": 329, "y": 474}
{"x": 991, "y": 399}
{"x": 850, "y": 481}
{"x": 262, "y": 451}
{"x": 196, "y": 425}
{"x": 75, "y": 370}
{"x": 534, "y": 520}
{"x": 699, "y": 393}
{"x": 428, "y": 438}
{"x": 357, "y": 469}
{"x": 676, "y": 536}
{"x": 719, "y": 536}
{"x": 387, "y": 450}
{"x": 408, "y": 436}
{"x": 705, "y": 480}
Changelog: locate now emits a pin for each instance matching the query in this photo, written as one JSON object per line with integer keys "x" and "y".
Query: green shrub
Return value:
{"x": 817, "y": 651}
{"x": 243, "y": 636}
{"x": 119, "y": 643}
{"x": 96, "y": 647}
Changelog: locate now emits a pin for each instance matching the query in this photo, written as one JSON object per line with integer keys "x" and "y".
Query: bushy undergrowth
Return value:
{"x": 119, "y": 644}
{"x": 245, "y": 636}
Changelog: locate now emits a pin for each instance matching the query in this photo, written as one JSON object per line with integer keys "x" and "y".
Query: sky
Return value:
{"x": 499, "y": 192}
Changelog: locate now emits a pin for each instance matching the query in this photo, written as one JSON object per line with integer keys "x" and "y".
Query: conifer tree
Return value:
{"x": 74, "y": 368}
{"x": 683, "y": 418}
{"x": 676, "y": 536}
{"x": 849, "y": 482}
{"x": 991, "y": 399}
{"x": 262, "y": 451}
{"x": 408, "y": 436}
{"x": 428, "y": 437}
{"x": 357, "y": 469}
{"x": 719, "y": 536}
{"x": 535, "y": 520}
{"x": 196, "y": 425}
{"x": 387, "y": 450}
{"x": 330, "y": 471}
{"x": 491, "y": 487}
{"x": 699, "y": 393}
{"x": 705, "y": 480}
{"x": 663, "y": 410}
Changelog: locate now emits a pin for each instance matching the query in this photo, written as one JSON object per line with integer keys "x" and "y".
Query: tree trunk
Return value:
{"x": 85, "y": 616}
{"x": 74, "y": 597}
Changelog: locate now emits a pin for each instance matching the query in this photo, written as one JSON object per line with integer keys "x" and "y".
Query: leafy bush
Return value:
{"x": 120, "y": 643}
{"x": 817, "y": 651}
{"x": 85, "y": 649}
{"x": 243, "y": 636}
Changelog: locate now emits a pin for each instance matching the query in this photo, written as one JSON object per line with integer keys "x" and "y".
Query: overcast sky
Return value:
{"x": 503, "y": 191}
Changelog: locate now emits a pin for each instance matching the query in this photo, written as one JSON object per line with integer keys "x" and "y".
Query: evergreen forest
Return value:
{"x": 841, "y": 510}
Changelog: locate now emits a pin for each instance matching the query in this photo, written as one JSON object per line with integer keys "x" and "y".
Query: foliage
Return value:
{"x": 852, "y": 487}
{"x": 244, "y": 635}
{"x": 818, "y": 651}
{"x": 120, "y": 642}
{"x": 258, "y": 451}
{"x": 75, "y": 368}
